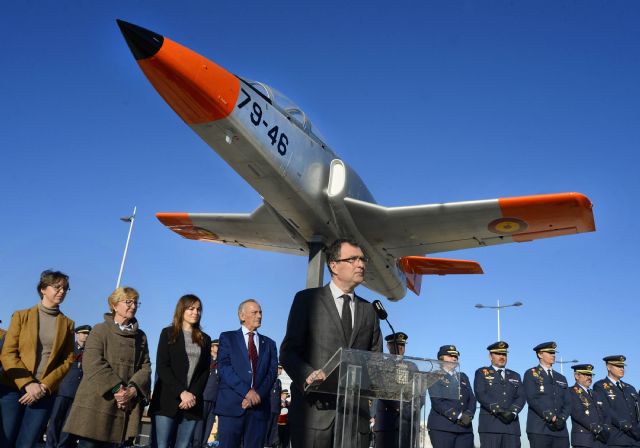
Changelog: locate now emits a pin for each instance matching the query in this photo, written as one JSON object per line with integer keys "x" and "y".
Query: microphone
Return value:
{"x": 382, "y": 314}
{"x": 378, "y": 307}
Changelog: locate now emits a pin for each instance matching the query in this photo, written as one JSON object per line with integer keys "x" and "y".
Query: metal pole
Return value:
{"x": 498, "y": 308}
{"x": 131, "y": 219}
{"x": 561, "y": 365}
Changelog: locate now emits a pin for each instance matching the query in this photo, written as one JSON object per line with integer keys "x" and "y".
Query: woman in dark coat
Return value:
{"x": 182, "y": 366}
{"x": 116, "y": 377}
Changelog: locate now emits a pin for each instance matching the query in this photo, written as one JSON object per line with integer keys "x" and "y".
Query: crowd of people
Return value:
{"x": 89, "y": 386}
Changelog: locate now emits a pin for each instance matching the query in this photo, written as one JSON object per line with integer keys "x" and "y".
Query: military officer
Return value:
{"x": 501, "y": 395}
{"x": 620, "y": 403}
{"x": 549, "y": 402}
{"x": 450, "y": 418}
{"x": 65, "y": 395}
{"x": 387, "y": 416}
{"x": 204, "y": 426}
{"x": 589, "y": 425}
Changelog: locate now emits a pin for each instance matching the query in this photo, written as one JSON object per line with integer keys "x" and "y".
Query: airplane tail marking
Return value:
{"x": 527, "y": 218}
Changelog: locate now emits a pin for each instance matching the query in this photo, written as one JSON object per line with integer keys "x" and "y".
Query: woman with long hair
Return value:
{"x": 182, "y": 367}
{"x": 36, "y": 355}
{"x": 116, "y": 379}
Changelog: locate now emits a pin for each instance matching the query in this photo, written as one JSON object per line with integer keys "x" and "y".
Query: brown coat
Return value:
{"x": 111, "y": 357}
{"x": 19, "y": 351}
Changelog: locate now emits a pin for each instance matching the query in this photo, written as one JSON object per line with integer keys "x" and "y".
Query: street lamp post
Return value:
{"x": 562, "y": 363}
{"x": 130, "y": 220}
{"x": 498, "y": 307}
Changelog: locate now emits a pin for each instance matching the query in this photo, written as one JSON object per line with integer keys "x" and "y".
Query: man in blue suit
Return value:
{"x": 501, "y": 395}
{"x": 549, "y": 401}
{"x": 204, "y": 426}
{"x": 589, "y": 427}
{"x": 65, "y": 395}
{"x": 620, "y": 402}
{"x": 247, "y": 368}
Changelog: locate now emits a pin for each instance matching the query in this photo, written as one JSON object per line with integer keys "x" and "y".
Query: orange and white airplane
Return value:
{"x": 310, "y": 196}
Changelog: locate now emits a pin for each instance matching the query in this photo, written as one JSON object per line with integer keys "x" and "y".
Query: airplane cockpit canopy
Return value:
{"x": 289, "y": 109}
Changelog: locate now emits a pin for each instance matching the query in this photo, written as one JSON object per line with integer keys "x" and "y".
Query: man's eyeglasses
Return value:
{"x": 61, "y": 288}
{"x": 352, "y": 260}
{"x": 131, "y": 303}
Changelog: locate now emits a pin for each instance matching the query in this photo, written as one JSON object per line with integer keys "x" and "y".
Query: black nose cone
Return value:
{"x": 142, "y": 42}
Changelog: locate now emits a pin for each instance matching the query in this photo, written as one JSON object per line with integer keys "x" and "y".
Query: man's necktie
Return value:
{"x": 550, "y": 375}
{"x": 619, "y": 385}
{"x": 501, "y": 373}
{"x": 590, "y": 394}
{"x": 346, "y": 316}
{"x": 253, "y": 356}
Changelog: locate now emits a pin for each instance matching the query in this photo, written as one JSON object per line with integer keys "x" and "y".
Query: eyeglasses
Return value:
{"x": 130, "y": 303}
{"x": 352, "y": 260}
{"x": 61, "y": 288}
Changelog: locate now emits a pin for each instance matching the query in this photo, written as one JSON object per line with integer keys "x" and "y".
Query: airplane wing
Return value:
{"x": 263, "y": 229}
{"x": 425, "y": 229}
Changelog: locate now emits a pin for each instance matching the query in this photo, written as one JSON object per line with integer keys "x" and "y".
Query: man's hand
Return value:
{"x": 316, "y": 377}
{"x": 253, "y": 398}
{"x": 465, "y": 420}
{"x": 507, "y": 417}
{"x": 187, "y": 400}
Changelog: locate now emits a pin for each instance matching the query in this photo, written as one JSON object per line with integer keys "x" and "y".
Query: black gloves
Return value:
{"x": 465, "y": 420}
{"x": 506, "y": 417}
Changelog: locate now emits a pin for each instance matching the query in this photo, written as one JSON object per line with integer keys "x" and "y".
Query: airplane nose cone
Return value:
{"x": 197, "y": 89}
{"x": 142, "y": 42}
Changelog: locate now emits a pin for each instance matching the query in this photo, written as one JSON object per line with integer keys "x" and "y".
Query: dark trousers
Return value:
{"x": 55, "y": 437}
{"x": 271, "y": 439}
{"x": 544, "y": 441}
{"x": 90, "y": 443}
{"x": 283, "y": 435}
{"x": 319, "y": 438}
{"x": 204, "y": 426}
{"x": 247, "y": 431}
{"x": 22, "y": 426}
{"x": 446, "y": 439}
{"x": 494, "y": 440}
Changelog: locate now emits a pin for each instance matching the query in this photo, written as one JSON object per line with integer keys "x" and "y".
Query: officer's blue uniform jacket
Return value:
{"x": 211, "y": 389}
{"x": 445, "y": 411}
{"x": 69, "y": 384}
{"x": 546, "y": 398}
{"x": 587, "y": 418}
{"x": 622, "y": 409}
{"x": 496, "y": 395}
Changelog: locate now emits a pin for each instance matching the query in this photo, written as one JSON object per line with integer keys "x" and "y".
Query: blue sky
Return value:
{"x": 428, "y": 101}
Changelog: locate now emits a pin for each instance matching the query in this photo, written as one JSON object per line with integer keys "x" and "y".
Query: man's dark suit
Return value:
{"x": 234, "y": 369}
{"x": 496, "y": 395}
{"x": 589, "y": 425}
{"x": 314, "y": 334}
{"x": 622, "y": 408}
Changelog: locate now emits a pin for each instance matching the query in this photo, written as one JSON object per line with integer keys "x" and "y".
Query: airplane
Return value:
{"x": 311, "y": 196}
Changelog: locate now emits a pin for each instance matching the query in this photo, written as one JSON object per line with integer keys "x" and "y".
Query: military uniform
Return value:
{"x": 589, "y": 426}
{"x": 64, "y": 398}
{"x": 449, "y": 420}
{"x": 621, "y": 406}
{"x": 387, "y": 412}
{"x": 502, "y": 397}
{"x": 205, "y": 425}
{"x": 548, "y": 397}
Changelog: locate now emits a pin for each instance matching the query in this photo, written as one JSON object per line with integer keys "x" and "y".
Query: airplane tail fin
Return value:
{"x": 415, "y": 267}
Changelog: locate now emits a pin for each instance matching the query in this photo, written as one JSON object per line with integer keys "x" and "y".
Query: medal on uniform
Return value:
{"x": 541, "y": 388}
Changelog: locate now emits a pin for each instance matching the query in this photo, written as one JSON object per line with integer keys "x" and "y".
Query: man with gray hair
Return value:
{"x": 247, "y": 368}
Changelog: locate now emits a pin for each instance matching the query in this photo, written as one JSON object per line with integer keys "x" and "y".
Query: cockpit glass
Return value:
{"x": 288, "y": 108}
